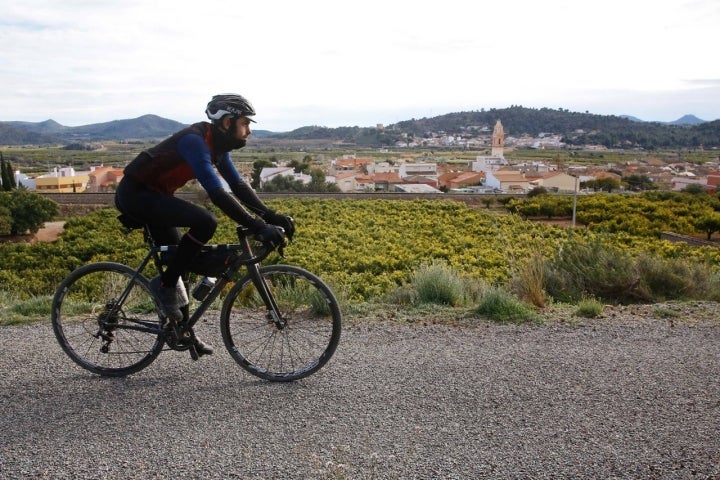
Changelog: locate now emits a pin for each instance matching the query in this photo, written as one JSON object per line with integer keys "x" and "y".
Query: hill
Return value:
{"x": 48, "y": 127}
{"x": 576, "y": 129}
{"x": 12, "y": 133}
{"x": 51, "y": 132}
{"x": 687, "y": 120}
{"x": 145, "y": 127}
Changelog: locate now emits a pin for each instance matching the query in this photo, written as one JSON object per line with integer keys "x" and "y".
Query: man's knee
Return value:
{"x": 206, "y": 227}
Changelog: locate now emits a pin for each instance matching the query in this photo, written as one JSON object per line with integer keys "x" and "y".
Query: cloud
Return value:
{"x": 331, "y": 63}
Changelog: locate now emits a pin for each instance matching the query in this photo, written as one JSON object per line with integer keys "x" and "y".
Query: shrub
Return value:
{"x": 674, "y": 278}
{"x": 610, "y": 273}
{"x": 438, "y": 283}
{"x": 666, "y": 313}
{"x": 402, "y": 295}
{"x": 589, "y": 308}
{"x": 528, "y": 280}
{"x": 590, "y": 268}
{"x": 29, "y": 210}
{"x": 502, "y": 306}
{"x": 14, "y": 310}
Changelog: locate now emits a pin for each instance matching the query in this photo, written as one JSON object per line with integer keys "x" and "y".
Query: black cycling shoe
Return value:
{"x": 203, "y": 348}
{"x": 168, "y": 298}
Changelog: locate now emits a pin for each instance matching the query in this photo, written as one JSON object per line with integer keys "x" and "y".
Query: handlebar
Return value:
{"x": 267, "y": 246}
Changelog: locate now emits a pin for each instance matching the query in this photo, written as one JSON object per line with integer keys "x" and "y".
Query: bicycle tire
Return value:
{"x": 99, "y": 341}
{"x": 312, "y": 324}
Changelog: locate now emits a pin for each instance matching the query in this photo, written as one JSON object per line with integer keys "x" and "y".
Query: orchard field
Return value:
{"x": 363, "y": 248}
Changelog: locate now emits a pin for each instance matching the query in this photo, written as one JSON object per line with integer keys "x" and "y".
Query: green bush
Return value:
{"x": 502, "y": 306}
{"x": 589, "y": 308}
{"x": 402, "y": 295}
{"x": 28, "y": 210}
{"x": 584, "y": 268}
{"x": 590, "y": 268}
{"x": 675, "y": 278}
{"x": 528, "y": 279}
{"x": 14, "y": 310}
{"x": 438, "y": 283}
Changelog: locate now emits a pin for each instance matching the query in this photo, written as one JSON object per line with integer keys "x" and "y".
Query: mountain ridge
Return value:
{"x": 610, "y": 130}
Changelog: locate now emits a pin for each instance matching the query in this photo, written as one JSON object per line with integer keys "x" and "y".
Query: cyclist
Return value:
{"x": 145, "y": 194}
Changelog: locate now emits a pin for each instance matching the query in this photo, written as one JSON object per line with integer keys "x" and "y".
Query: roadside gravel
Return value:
{"x": 633, "y": 395}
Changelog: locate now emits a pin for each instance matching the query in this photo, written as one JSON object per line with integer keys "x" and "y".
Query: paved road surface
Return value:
{"x": 639, "y": 400}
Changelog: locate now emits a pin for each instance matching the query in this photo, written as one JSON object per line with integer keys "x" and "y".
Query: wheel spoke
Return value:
{"x": 95, "y": 331}
{"x": 310, "y": 331}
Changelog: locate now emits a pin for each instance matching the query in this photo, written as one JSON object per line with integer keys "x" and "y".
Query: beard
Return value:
{"x": 237, "y": 143}
{"x": 224, "y": 142}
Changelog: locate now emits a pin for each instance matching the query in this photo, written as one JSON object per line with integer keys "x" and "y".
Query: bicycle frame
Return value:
{"x": 248, "y": 259}
{"x": 253, "y": 270}
{"x": 278, "y": 322}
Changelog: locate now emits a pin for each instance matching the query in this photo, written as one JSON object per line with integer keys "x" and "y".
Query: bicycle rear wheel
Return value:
{"x": 294, "y": 346}
{"x": 99, "y": 328}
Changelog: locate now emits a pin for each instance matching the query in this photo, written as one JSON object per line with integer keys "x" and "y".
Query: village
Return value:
{"x": 486, "y": 174}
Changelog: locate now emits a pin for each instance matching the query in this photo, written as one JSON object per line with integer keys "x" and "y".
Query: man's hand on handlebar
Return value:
{"x": 271, "y": 236}
{"x": 285, "y": 221}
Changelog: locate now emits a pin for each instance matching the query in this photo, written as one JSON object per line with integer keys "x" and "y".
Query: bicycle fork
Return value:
{"x": 273, "y": 311}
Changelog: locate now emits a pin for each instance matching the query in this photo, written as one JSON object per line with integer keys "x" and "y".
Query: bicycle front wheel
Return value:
{"x": 106, "y": 321}
{"x": 295, "y": 344}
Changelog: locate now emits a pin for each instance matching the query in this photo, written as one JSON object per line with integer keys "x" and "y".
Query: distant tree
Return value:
{"x": 11, "y": 175}
{"x": 694, "y": 188}
{"x": 283, "y": 183}
{"x": 3, "y": 180}
{"x": 258, "y": 166}
{"x": 609, "y": 184}
{"x": 301, "y": 167}
{"x": 7, "y": 177}
{"x": 709, "y": 224}
{"x": 639, "y": 182}
{"x": 602, "y": 184}
{"x": 318, "y": 183}
{"x": 29, "y": 210}
{"x": 537, "y": 191}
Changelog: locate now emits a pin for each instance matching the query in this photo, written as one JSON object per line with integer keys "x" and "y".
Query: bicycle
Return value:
{"x": 278, "y": 322}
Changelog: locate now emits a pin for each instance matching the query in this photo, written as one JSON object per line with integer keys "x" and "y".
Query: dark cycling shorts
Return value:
{"x": 164, "y": 214}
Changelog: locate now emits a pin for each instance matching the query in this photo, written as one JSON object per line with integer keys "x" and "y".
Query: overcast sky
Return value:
{"x": 335, "y": 63}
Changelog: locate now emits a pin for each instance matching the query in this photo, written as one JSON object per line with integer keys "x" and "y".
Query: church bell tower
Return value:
{"x": 498, "y": 140}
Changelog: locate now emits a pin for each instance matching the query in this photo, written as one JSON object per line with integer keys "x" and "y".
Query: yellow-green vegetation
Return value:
{"x": 642, "y": 215}
{"x": 502, "y": 306}
{"x": 589, "y": 308}
{"x": 605, "y": 157}
{"x": 412, "y": 252}
{"x": 437, "y": 283}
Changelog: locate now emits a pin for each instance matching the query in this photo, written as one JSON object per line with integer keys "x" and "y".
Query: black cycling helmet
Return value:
{"x": 229, "y": 104}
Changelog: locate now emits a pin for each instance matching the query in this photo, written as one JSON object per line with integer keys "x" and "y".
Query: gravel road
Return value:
{"x": 620, "y": 397}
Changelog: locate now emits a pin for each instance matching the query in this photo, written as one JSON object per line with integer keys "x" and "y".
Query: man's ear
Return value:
{"x": 225, "y": 123}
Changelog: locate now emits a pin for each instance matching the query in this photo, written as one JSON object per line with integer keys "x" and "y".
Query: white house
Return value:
{"x": 488, "y": 164}
{"x": 508, "y": 181}
{"x": 267, "y": 174}
{"x": 23, "y": 180}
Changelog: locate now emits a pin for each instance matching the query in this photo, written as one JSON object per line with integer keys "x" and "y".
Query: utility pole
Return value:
{"x": 575, "y": 201}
